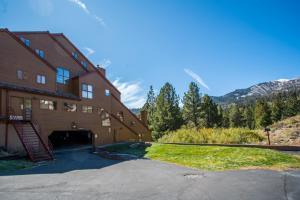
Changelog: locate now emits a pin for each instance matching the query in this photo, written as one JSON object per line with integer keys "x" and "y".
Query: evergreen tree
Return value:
{"x": 249, "y": 117}
{"x": 262, "y": 114}
{"x": 209, "y": 112}
{"x": 149, "y": 107}
{"x": 226, "y": 120}
{"x": 220, "y": 116}
{"x": 167, "y": 115}
{"x": 292, "y": 105}
{"x": 235, "y": 116}
{"x": 277, "y": 108}
{"x": 192, "y": 106}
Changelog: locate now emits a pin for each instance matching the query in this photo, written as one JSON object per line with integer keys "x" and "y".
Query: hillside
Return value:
{"x": 286, "y": 131}
{"x": 258, "y": 90}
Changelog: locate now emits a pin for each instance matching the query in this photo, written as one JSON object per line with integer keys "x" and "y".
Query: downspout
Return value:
{"x": 6, "y": 121}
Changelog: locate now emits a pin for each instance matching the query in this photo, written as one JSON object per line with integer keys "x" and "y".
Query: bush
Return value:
{"x": 213, "y": 136}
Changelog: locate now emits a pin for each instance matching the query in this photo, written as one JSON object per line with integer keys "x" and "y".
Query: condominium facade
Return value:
{"x": 47, "y": 85}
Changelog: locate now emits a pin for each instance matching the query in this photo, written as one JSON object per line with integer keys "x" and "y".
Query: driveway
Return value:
{"x": 81, "y": 175}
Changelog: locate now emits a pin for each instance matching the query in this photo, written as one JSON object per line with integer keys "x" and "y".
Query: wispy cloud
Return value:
{"x": 105, "y": 63}
{"x": 196, "y": 77}
{"x": 100, "y": 20}
{"x": 81, "y": 5}
{"x": 84, "y": 7}
{"x": 131, "y": 93}
{"x": 89, "y": 51}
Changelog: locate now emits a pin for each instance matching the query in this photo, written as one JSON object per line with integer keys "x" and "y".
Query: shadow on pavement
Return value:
{"x": 66, "y": 161}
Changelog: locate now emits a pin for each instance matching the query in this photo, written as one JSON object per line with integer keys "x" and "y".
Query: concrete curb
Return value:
{"x": 274, "y": 147}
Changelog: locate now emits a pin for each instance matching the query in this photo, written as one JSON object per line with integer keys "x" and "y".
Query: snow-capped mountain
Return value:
{"x": 259, "y": 90}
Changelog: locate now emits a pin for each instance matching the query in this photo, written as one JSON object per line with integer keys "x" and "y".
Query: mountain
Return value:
{"x": 258, "y": 90}
{"x": 136, "y": 111}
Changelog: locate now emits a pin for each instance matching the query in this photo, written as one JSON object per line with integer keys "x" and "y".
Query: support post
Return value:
{"x": 7, "y": 118}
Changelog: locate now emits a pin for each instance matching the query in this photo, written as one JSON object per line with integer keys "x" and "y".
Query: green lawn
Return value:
{"x": 215, "y": 158}
{"x": 11, "y": 165}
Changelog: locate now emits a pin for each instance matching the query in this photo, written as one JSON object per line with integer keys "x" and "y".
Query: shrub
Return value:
{"x": 213, "y": 135}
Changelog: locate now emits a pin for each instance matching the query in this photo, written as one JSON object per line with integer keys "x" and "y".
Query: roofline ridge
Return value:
{"x": 15, "y": 37}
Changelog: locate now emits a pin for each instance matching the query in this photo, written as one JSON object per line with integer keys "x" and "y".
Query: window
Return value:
{"x": 48, "y": 105}
{"x": 20, "y": 74}
{"x": 40, "y": 53}
{"x": 26, "y": 41}
{"x": 75, "y": 55}
{"x": 70, "y": 107}
{"x": 105, "y": 119}
{"x": 87, "y": 109}
{"x": 121, "y": 116}
{"x": 62, "y": 75}
{"x": 41, "y": 79}
{"x": 107, "y": 93}
{"x": 87, "y": 91}
{"x": 84, "y": 64}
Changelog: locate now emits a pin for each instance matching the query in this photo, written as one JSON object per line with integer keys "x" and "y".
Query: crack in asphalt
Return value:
{"x": 284, "y": 187}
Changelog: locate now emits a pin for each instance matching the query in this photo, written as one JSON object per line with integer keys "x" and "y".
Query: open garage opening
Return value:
{"x": 71, "y": 139}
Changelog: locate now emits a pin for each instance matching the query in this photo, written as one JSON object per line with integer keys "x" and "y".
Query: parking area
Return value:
{"x": 82, "y": 175}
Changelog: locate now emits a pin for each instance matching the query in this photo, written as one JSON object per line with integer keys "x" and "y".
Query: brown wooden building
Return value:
{"x": 49, "y": 91}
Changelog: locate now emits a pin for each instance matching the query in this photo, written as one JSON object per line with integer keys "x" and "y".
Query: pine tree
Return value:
{"x": 249, "y": 117}
{"x": 209, "y": 112}
{"x": 235, "y": 116}
{"x": 192, "y": 106}
{"x": 220, "y": 116}
{"x": 226, "y": 120}
{"x": 167, "y": 115}
{"x": 262, "y": 114}
{"x": 277, "y": 108}
{"x": 149, "y": 107}
{"x": 292, "y": 105}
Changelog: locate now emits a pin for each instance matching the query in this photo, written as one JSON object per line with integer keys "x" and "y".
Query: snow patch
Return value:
{"x": 282, "y": 80}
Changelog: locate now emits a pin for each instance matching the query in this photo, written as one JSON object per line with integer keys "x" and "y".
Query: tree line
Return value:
{"x": 200, "y": 111}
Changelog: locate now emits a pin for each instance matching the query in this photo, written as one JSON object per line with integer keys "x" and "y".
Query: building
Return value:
{"x": 50, "y": 92}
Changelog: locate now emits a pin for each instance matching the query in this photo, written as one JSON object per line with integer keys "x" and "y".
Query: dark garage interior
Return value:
{"x": 70, "y": 139}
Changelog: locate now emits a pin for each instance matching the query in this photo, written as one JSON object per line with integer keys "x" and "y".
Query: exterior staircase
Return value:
{"x": 34, "y": 145}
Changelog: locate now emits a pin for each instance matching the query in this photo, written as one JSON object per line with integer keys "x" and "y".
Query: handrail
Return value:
{"x": 37, "y": 127}
{"x": 42, "y": 141}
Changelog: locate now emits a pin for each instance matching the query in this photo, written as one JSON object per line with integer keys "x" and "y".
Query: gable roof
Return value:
{"x": 104, "y": 77}
{"x": 28, "y": 48}
{"x": 53, "y": 36}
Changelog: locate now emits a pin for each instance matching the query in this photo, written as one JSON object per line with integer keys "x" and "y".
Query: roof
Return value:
{"x": 52, "y": 35}
{"x": 60, "y": 94}
{"x": 28, "y": 48}
{"x": 61, "y": 34}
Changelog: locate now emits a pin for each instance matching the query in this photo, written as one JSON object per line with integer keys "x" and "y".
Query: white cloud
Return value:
{"x": 81, "y": 5}
{"x": 196, "y": 77}
{"x": 89, "y": 51}
{"x": 100, "y": 20}
{"x": 84, "y": 7}
{"x": 105, "y": 63}
{"x": 131, "y": 93}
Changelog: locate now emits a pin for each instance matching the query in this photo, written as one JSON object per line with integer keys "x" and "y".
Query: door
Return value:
{"x": 20, "y": 108}
{"x": 27, "y": 109}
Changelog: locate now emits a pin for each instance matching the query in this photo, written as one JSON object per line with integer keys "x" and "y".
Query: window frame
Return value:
{"x": 53, "y": 104}
{"x": 62, "y": 79}
{"x": 40, "y": 52}
{"x": 41, "y": 79}
{"x": 84, "y": 64}
{"x": 88, "y": 110}
{"x": 65, "y": 107}
{"x": 75, "y": 55}
{"x": 107, "y": 92}
{"x": 21, "y": 77}
{"x": 86, "y": 93}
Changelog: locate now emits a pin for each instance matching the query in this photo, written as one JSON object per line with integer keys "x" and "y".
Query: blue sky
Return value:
{"x": 221, "y": 44}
